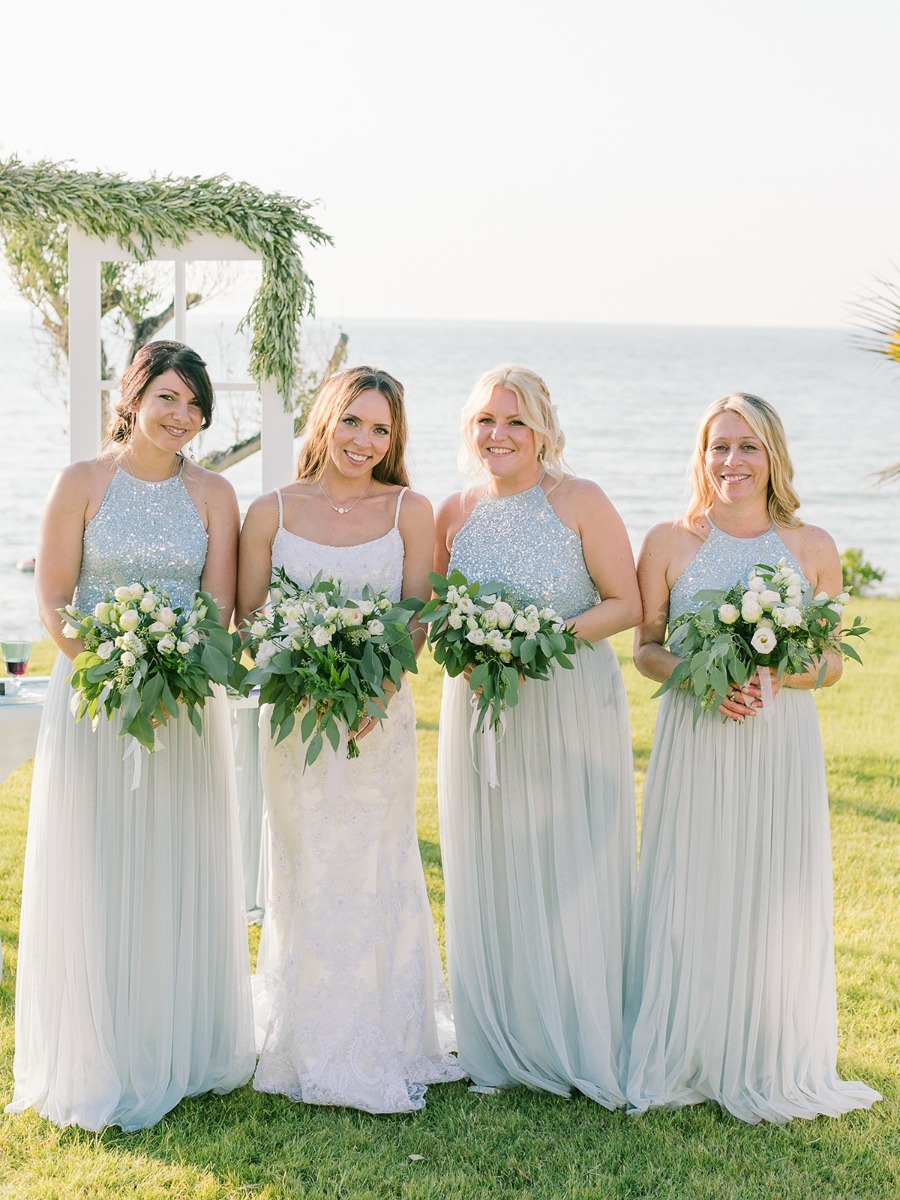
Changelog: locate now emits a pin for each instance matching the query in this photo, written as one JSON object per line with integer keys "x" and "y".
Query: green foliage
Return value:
{"x": 39, "y": 201}
{"x": 859, "y": 574}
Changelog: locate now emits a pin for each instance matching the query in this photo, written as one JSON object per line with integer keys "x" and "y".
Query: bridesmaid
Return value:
{"x": 731, "y": 993}
{"x": 539, "y": 869}
{"x": 133, "y": 987}
{"x": 351, "y": 1002}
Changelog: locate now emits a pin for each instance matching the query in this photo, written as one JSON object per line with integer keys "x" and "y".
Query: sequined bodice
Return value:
{"x": 378, "y": 563}
{"x": 519, "y": 542}
{"x": 723, "y": 560}
{"x": 143, "y": 531}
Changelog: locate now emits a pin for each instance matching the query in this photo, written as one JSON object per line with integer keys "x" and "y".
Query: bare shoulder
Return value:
{"x": 669, "y": 535}
{"x": 416, "y": 504}
{"x": 816, "y": 552}
{"x": 263, "y": 508}
{"x": 211, "y": 482}
{"x": 450, "y": 512}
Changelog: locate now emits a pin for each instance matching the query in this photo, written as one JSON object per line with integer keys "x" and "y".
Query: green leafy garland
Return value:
{"x": 142, "y": 213}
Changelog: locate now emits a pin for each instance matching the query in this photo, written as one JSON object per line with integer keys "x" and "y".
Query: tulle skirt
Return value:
{"x": 539, "y": 873}
{"x": 731, "y": 988}
{"x": 133, "y": 986}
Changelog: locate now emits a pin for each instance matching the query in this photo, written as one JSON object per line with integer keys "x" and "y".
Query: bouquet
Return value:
{"x": 471, "y": 624}
{"x": 320, "y": 649}
{"x": 144, "y": 657}
{"x": 769, "y": 621}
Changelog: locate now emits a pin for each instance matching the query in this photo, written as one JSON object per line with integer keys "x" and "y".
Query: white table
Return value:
{"x": 20, "y": 720}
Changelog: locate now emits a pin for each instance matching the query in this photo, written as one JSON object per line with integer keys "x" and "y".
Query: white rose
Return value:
{"x": 751, "y": 609}
{"x": 258, "y": 629}
{"x": 504, "y": 645}
{"x": 331, "y": 613}
{"x": 366, "y": 607}
{"x": 489, "y": 619}
{"x": 149, "y": 602}
{"x": 476, "y": 636}
{"x": 322, "y": 635}
{"x": 376, "y": 628}
{"x": 122, "y": 593}
{"x": 266, "y": 651}
{"x": 728, "y": 614}
{"x": 842, "y": 598}
{"x": 105, "y": 649}
{"x": 183, "y": 647}
{"x": 764, "y": 641}
{"x": 351, "y": 617}
{"x": 158, "y": 628}
{"x": 788, "y": 617}
{"x": 494, "y": 639}
{"x": 756, "y": 584}
{"x": 167, "y": 644}
{"x": 384, "y": 604}
{"x": 192, "y": 637}
{"x": 794, "y": 593}
{"x": 167, "y": 617}
{"x": 454, "y": 620}
{"x": 128, "y": 659}
{"x": 135, "y": 592}
{"x": 129, "y": 620}
{"x": 505, "y": 614}
{"x": 768, "y": 599}
{"x": 100, "y": 610}
{"x": 69, "y": 632}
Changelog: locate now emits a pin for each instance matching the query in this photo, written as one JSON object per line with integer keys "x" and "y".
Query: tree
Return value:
{"x": 38, "y": 202}
{"x": 879, "y": 314}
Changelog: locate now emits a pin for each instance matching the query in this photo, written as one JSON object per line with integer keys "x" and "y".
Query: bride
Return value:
{"x": 351, "y": 1003}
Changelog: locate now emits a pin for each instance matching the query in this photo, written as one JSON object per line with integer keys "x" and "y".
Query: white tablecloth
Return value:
{"x": 20, "y": 720}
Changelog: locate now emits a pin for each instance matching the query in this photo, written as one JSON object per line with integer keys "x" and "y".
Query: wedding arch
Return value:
{"x": 113, "y": 219}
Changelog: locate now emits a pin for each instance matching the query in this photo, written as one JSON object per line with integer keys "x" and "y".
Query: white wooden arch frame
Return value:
{"x": 86, "y": 253}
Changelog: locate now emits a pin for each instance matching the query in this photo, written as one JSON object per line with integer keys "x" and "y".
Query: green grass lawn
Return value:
{"x": 519, "y": 1143}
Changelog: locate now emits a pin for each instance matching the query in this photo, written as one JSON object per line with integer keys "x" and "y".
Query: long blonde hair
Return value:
{"x": 330, "y": 405}
{"x": 536, "y": 410}
{"x": 782, "y": 500}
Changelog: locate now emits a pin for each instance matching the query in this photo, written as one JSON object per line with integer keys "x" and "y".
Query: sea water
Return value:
{"x": 629, "y": 398}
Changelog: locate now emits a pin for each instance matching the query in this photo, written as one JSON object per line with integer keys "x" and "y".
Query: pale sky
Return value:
{"x": 699, "y": 162}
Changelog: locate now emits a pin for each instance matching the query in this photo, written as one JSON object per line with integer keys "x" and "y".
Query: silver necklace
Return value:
{"x": 339, "y": 508}
{"x": 123, "y": 461}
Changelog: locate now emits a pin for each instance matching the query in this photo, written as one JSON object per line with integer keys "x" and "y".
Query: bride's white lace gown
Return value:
{"x": 351, "y": 1003}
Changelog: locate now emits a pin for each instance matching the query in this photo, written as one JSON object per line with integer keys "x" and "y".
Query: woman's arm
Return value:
{"x": 448, "y": 522}
{"x": 255, "y": 556}
{"x": 60, "y": 546}
{"x": 417, "y": 531}
{"x": 219, "y": 576}
{"x": 582, "y": 506}
{"x": 817, "y": 554}
{"x": 651, "y": 658}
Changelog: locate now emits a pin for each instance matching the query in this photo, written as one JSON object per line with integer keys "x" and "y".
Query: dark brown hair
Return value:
{"x": 153, "y": 360}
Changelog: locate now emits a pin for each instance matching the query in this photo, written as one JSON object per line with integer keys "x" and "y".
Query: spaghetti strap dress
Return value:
{"x": 351, "y": 1004}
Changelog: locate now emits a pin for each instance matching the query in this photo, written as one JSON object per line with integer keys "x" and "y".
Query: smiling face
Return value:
{"x": 168, "y": 414}
{"x": 505, "y": 444}
{"x": 736, "y": 461}
{"x": 362, "y": 436}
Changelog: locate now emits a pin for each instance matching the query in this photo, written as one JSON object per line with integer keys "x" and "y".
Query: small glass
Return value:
{"x": 16, "y": 656}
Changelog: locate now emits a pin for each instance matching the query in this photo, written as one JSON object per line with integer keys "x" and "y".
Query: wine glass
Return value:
{"x": 16, "y": 656}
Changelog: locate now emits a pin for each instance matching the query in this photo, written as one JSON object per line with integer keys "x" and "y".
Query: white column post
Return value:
{"x": 84, "y": 348}
{"x": 180, "y": 301}
{"x": 277, "y": 439}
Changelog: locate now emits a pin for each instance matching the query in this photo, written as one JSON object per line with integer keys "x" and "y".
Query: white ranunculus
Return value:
{"x": 768, "y": 599}
{"x": 728, "y": 614}
{"x": 322, "y": 635}
{"x": 788, "y": 617}
{"x": 454, "y": 620}
{"x": 489, "y": 619}
{"x": 148, "y": 602}
{"x": 105, "y": 649}
{"x": 167, "y": 617}
{"x": 128, "y": 659}
{"x": 476, "y": 636}
{"x": 376, "y": 628}
{"x": 505, "y": 614}
{"x": 167, "y": 643}
{"x": 129, "y": 620}
{"x": 764, "y": 641}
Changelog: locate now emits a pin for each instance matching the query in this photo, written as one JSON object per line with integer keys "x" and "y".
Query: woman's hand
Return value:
{"x": 748, "y": 700}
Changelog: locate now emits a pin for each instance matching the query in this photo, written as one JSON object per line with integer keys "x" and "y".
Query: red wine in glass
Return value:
{"x": 16, "y": 656}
